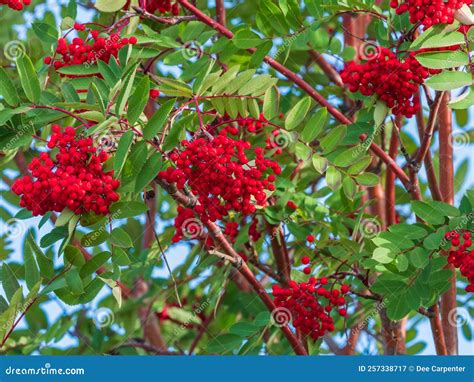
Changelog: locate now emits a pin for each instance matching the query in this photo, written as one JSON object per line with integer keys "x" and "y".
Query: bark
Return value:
{"x": 446, "y": 171}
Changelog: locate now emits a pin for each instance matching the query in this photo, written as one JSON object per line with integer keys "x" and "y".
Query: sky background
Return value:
{"x": 178, "y": 252}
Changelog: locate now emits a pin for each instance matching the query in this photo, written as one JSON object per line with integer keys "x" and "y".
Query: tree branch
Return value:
{"x": 237, "y": 262}
{"x": 446, "y": 171}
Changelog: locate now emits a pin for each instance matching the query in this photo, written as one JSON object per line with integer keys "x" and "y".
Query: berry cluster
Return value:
{"x": 430, "y": 12}
{"x": 74, "y": 178}
{"x": 16, "y": 5}
{"x": 221, "y": 175}
{"x": 162, "y": 6}
{"x": 87, "y": 51}
{"x": 251, "y": 125}
{"x": 394, "y": 81}
{"x": 307, "y": 313}
{"x": 461, "y": 257}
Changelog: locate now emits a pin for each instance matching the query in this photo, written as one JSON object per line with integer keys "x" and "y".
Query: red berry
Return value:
{"x": 154, "y": 93}
{"x": 310, "y": 238}
{"x": 305, "y": 260}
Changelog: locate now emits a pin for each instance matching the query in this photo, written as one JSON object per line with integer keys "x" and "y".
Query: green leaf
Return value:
{"x": 120, "y": 238}
{"x": 333, "y": 178}
{"x": 28, "y": 78}
{"x": 149, "y": 171}
{"x": 443, "y": 60}
{"x": 7, "y": 89}
{"x": 9, "y": 281}
{"x": 45, "y": 32}
{"x": 32, "y": 274}
{"x": 397, "y": 308}
{"x": 157, "y": 122}
{"x": 110, "y": 5}
{"x": 331, "y": 140}
{"x": 95, "y": 238}
{"x": 138, "y": 100}
{"x": 410, "y": 231}
{"x": 380, "y": 112}
{"x": 349, "y": 187}
{"x": 64, "y": 217}
{"x": 245, "y": 39}
{"x": 315, "y": 125}
{"x": 74, "y": 282}
{"x": 427, "y": 213}
{"x": 445, "y": 208}
{"x": 438, "y": 36}
{"x": 224, "y": 343}
{"x": 361, "y": 164}
{"x": 80, "y": 70}
{"x": 244, "y": 329}
{"x": 94, "y": 263}
{"x": 122, "y": 152}
{"x": 127, "y": 209}
{"x": 383, "y": 255}
{"x": 271, "y": 102}
{"x": 387, "y": 287}
{"x": 320, "y": 163}
{"x": 367, "y": 179}
{"x": 74, "y": 256}
{"x": 45, "y": 264}
{"x": 448, "y": 80}
{"x": 124, "y": 95}
{"x": 297, "y": 114}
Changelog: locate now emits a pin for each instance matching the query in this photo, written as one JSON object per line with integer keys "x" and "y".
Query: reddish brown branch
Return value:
{"x": 428, "y": 131}
{"x": 390, "y": 200}
{"x": 326, "y": 67}
{"x": 437, "y": 329}
{"x": 428, "y": 160}
{"x": 220, "y": 12}
{"x": 446, "y": 171}
{"x": 236, "y": 261}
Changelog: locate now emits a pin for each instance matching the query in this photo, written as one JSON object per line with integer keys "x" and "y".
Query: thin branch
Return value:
{"x": 240, "y": 266}
{"x": 428, "y": 132}
{"x": 220, "y": 12}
